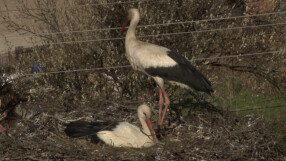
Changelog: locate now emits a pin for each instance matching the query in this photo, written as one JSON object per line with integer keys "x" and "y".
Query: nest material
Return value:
{"x": 199, "y": 136}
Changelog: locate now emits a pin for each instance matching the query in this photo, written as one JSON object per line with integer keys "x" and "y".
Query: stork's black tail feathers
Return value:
{"x": 208, "y": 86}
{"x": 84, "y": 128}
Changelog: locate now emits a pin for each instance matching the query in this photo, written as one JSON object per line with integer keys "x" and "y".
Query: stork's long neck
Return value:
{"x": 132, "y": 27}
{"x": 130, "y": 40}
{"x": 145, "y": 127}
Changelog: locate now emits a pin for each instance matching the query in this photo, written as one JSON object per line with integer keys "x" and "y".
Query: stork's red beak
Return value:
{"x": 149, "y": 124}
{"x": 125, "y": 24}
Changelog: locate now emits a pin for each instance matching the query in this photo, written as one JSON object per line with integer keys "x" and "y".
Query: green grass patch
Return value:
{"x": 272, "y": 108}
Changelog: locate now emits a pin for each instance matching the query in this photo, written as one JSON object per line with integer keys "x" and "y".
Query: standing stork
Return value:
{"x": 122, "y": 134}
{"x": 161, "y": 64}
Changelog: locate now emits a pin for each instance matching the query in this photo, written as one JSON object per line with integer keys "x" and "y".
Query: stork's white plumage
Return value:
{"x": 162, "y": 64}
{"x": 122, "y": 134}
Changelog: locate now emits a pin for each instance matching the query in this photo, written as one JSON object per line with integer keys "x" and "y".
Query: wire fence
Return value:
{"x": 87, "y": 5}
{"x": 144, "y": 26}
{"x": 76, "y": 6}
{"x": 4, "y": 59}
{"x": 129, "y": 66}
{"x": 283, "y": 106}
{"x": 166, "y": 34}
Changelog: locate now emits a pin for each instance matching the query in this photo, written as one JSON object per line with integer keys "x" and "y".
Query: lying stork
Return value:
{"x": 122, "y": 134}
{"x": 161, "y": 64}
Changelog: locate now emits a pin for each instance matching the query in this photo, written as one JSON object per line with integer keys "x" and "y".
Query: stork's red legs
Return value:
{"x": 162, "y": 93}
{"x": 4, "y": 115}
{"x": 2, "y": 128}
{"x": 161, "y": 103}
{"x": 167, "y": 103}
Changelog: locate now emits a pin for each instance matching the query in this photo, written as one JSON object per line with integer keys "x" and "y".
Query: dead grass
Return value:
{"x": 201, "y": 135}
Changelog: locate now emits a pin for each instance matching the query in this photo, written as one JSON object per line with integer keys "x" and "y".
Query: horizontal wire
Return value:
{"x": 261, "y": 108}
{"x": 240, "y": 55}
{"x": 84, "y": 5}
{"x": 128, "y": 66}
{"x": 77, "y": 6}
{"x": 260, "y": 102}
{"x": 216, "y": 19}
{"x": 167, "y": 34}
{"x": 141, "y": 26}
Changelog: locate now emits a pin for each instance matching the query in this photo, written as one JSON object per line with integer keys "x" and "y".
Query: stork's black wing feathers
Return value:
{"x": 180, "y": 60}
{"x": 183, "y": 72}
{"x": 84, "y": 128}
{"x": 183, "y": 61}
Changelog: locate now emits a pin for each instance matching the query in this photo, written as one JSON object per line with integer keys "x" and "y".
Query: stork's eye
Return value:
{"x": 144, "y": 113}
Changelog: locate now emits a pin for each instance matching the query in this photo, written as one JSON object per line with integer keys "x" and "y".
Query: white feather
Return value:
{"x": 126, "y": 135}
{"x": 145, "y": 55}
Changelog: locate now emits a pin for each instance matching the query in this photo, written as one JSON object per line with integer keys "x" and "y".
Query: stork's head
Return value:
{"x": 144, "y": 113}
{"x": 133, "y": 15}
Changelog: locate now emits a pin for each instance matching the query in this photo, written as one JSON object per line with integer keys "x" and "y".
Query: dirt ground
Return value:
{"x": 201, "y": 135}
